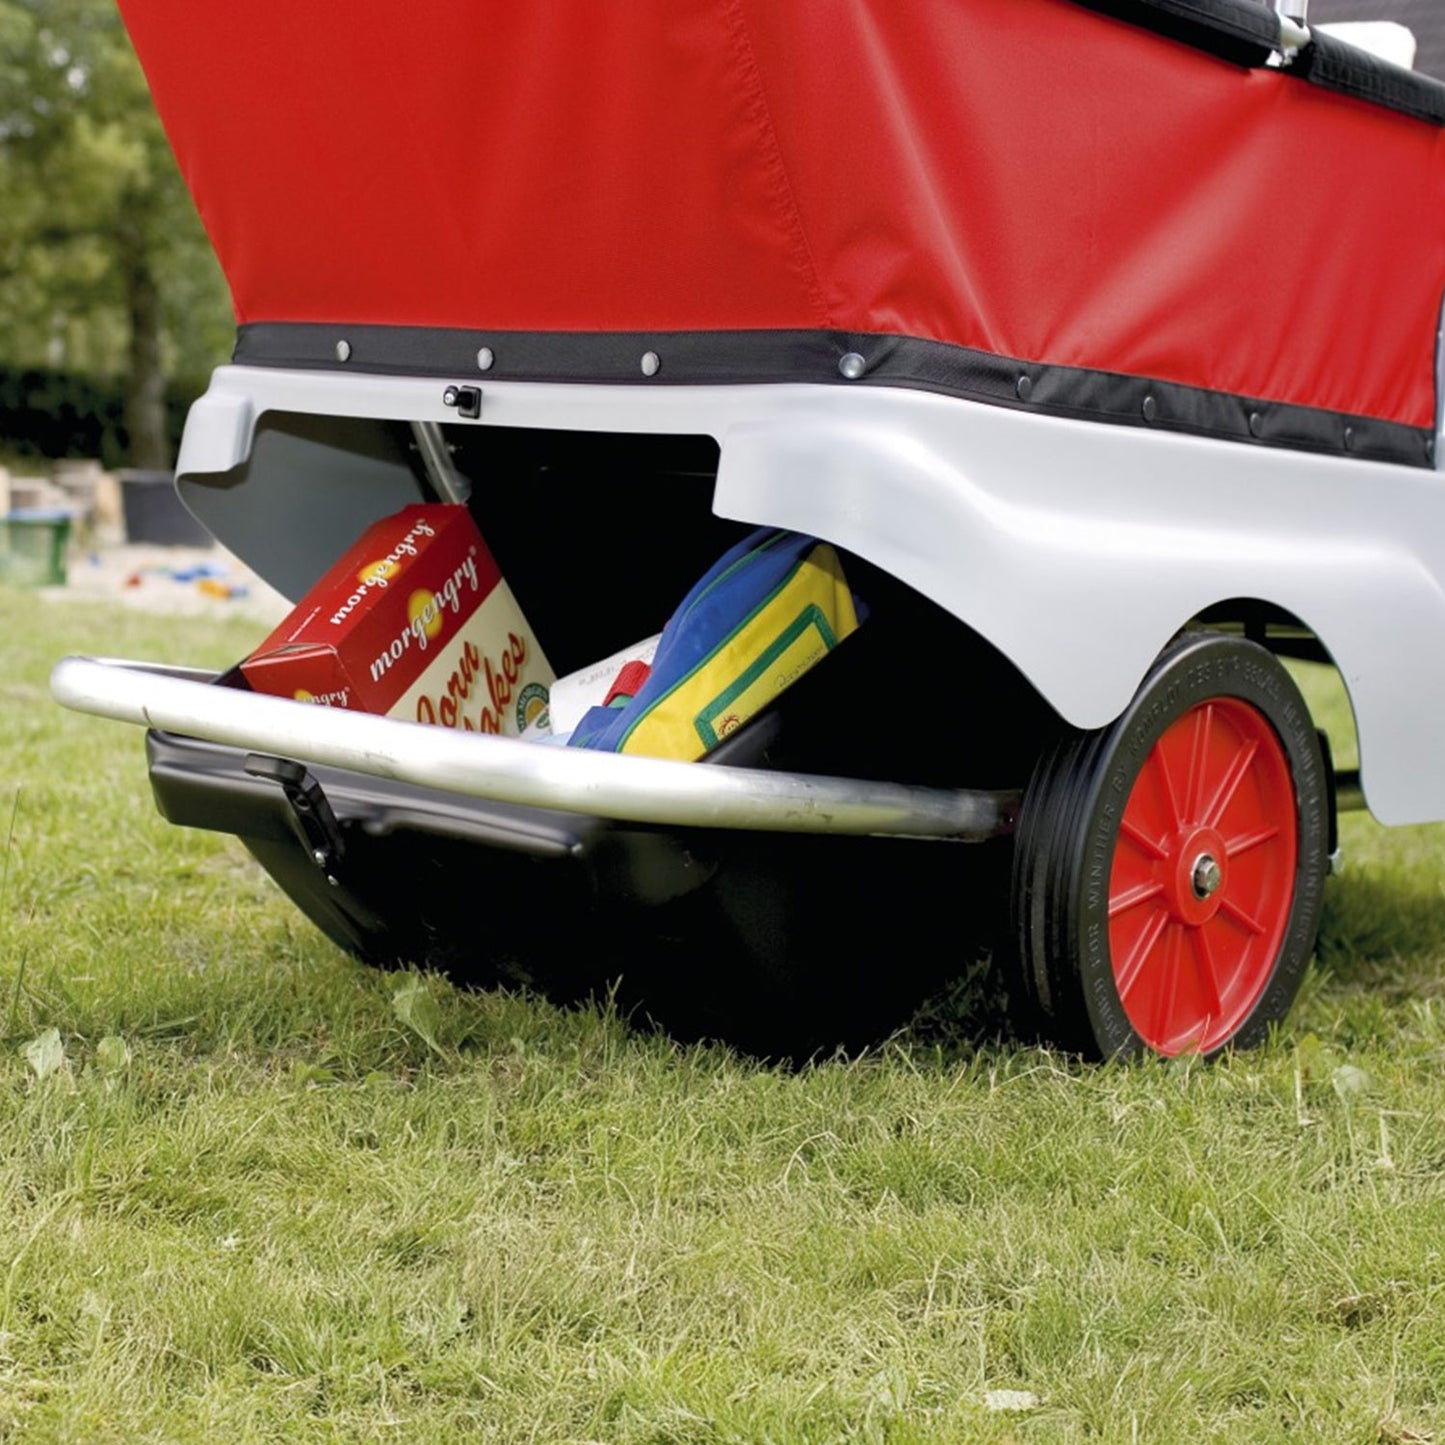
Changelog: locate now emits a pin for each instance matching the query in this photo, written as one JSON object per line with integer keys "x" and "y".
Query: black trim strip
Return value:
{"x": 1334, "y": 65}
{"x": 1243, "y": 32}
{"x": 1246, "y": 32}
{"x": 732, "y": 358}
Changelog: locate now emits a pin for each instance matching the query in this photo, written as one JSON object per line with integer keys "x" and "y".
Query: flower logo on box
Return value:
{"x": 424, "y": 615}
{"x": 378, "y": 573}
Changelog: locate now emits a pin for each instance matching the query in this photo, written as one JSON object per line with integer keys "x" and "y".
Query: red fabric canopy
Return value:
{"x": 1026, "y": 177}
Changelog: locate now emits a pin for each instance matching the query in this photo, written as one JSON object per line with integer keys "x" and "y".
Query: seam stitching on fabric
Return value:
{"x": 755, "y": 106}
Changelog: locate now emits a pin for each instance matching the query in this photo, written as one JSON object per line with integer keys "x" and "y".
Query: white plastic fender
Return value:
{"x": 1077, "y": 548}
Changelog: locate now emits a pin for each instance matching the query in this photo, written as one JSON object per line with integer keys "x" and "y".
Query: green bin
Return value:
{"x": 32, "y": 548}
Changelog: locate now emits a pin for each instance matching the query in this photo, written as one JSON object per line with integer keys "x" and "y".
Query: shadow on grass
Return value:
{"x": 840, "y": 966}
{"x": 1374, "y": 923}
{"x": 787, "y": 965}
{"x": 932, "y": 955}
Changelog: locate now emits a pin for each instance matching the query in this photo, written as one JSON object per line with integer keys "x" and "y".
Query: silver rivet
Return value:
{"x": 485, "y": 359}
{"x": 1207, "y": 876}
{"x": 1349, "y": 438}
{"x": 852, "y": 365}
{"x": 343, "y": 351}
{"x": 319, "y": 854}
{"x": 651, "y": 363}
{"x": 1150, "y": 408}
{"x": 1023, "y": 387}
{"x": 1256, "y": 424}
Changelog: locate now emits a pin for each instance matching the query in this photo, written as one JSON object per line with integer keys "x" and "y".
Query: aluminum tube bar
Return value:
{"x": 448, "y": 483}
{"x": 641, "y": 790}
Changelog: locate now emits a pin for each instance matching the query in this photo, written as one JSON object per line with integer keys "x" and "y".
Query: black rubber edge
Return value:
{"x": 730, "y": 358}
{"x": 1240, "y": 31}
{"x": 1246, "y": 33}
{"x": 1335, "y": 65}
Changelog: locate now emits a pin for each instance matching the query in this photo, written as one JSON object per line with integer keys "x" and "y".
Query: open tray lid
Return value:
{"x": 1024, "y": 201}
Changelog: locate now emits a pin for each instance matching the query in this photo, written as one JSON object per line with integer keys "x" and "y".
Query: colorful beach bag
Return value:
{"x": 765, "y": 613}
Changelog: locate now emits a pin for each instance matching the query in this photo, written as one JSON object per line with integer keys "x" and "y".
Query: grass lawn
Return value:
{"x": 253, "y": 1191}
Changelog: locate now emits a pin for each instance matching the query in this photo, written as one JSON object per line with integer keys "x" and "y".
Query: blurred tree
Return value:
{"x": 104, "y": 266}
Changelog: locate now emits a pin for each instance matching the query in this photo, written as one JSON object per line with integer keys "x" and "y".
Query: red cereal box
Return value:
{"x": 417, "y": 622}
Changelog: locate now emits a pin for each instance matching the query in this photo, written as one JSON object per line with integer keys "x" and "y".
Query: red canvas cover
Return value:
{"x": 1026, "y": 178}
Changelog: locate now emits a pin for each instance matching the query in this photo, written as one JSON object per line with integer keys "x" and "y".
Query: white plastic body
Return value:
{"x": 1078, "y": 549}
{"x": 1387, "y": 39}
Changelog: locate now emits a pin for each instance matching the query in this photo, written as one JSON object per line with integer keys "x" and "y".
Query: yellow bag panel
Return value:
{"x": 788, "y": 633}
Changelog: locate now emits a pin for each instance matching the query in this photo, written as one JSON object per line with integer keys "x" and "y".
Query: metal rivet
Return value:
{"x": 1150, "y": 408}
{"x": 651, "y": 363}
{"x": 1349, "y": 438}
{"x": 851, "y": 365}
{"x": 1256, "y": 424}
{"x": 1022, "y": 387}
{"x": 343, "y": 351}
{"x": 485, "y": 359}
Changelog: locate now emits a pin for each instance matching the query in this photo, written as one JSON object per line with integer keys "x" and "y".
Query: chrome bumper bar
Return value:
{"x": 574, "y": 780}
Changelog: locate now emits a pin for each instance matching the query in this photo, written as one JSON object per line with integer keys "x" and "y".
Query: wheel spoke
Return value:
{"x": 1247, "y": 921}
{"x": 1133, "y": 897}
{"x": 1126, "y": 974}
{"x": 1135, "y": 834}
{"x": 1166, "y": 784}
{"x": 1208, "y": 971}
{"x": 1233, "y": 847}
{"x": 1198, "y": 755}
{"x": 1224, "y": 794}
{"x": 1168, "y": 987}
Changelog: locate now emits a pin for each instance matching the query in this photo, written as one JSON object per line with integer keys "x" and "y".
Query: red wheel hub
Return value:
{"x": 1203, "y": 878}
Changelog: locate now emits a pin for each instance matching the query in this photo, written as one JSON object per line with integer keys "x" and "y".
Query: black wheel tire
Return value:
{"x": 1070, "y": 835}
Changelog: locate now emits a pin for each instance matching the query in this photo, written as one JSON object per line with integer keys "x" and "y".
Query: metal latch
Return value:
{"x": 466, "y": 399}
{"x": 311, "y": 814}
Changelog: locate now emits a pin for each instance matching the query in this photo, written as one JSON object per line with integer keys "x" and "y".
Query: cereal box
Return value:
{"x": 415, "y": 621}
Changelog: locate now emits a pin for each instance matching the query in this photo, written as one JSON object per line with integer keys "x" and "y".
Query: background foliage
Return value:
{"x": 50, "y": 413}
{"x": 105, "y": 271}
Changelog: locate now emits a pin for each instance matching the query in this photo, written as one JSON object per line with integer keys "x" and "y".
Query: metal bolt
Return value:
{"x": 485, "y": 359}
{"x": 343, "y": 351}
{"x": 1150, "y": 408}
{"x": 1023, "y": 387}
{"x": 1256, "y": 424}
{"x": 651, "y": 363}
{"x": 852, "y": 365}
{"x": 1349, "y": 438}
{"x": 319, "y": 854}
{"x": 1207, "y": 876}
